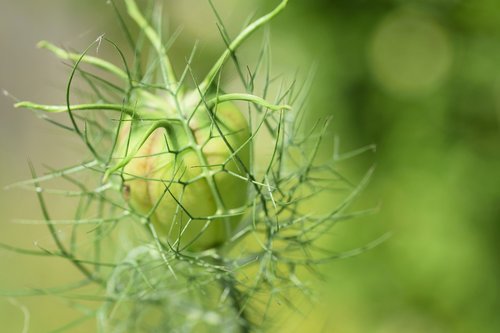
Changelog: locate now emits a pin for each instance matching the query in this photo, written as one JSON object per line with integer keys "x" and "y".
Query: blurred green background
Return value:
{"x": 420, "y": 79}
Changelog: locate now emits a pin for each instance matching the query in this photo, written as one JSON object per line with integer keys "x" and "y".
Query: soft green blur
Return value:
{"x": 417, "y": 78}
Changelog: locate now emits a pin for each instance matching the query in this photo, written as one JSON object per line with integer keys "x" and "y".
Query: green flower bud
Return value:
{"x": 189, "y": 176}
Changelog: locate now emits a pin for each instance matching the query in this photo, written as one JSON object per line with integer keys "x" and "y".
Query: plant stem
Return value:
{"x": 98, "y": 62}
{"x": 248, "y": 98}
{"x": 227, "y": 282}
{"x": 167, "y": 70}
{"x": 247, "y": 32}
{"x": 76, "y": 107}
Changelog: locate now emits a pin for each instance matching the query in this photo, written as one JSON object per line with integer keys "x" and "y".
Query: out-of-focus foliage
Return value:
{"x": 417, "y": 78}
{"x": 420, "y": 80}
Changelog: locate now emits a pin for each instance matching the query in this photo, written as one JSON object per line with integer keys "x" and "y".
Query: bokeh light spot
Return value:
{"x": 410, "y": 53}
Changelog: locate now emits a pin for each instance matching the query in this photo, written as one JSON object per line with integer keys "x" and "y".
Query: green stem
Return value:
{"x": 167, "y": 70}
{"x": 94, "y": 61}
{"x": 64, "y": 252}
{"x": 247, "y": 32}
{"x": 228, "y": 282}
{"x": 236, "y": 301}
{"x": 66, "y": 55}
{"x": 246, "y": 97}
{"x": 63, "y": 108}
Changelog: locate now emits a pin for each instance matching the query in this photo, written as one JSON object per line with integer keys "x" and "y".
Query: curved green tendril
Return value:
{"x": 247, "y": 32}
{"x": 158, "y": 124}
{"x": 248, "y": 98}
{"x": 135, "y": 14}
{"x": 76, "y": 107}
{"x": 98, "y": 62}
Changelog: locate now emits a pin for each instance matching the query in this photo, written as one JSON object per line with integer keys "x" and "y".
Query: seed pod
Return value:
{"x": 186, "y": 175}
